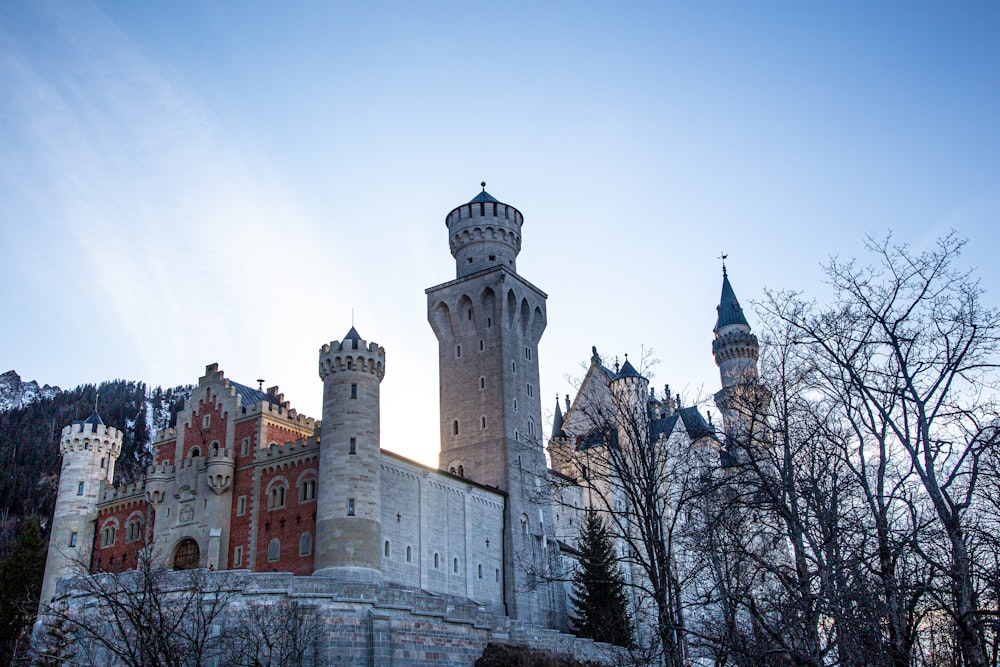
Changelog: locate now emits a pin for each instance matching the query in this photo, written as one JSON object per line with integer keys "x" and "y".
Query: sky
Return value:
{"x": 237, "y": 182}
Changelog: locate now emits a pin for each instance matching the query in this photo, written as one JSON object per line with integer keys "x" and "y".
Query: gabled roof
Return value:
{"x": 695, "y": 424}
{"x": 729, "y": 308}
{"x": 248, "y": 395}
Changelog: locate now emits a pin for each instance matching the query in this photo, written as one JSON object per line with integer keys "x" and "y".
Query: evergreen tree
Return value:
{"x": 20, "y": 582}
{"x": 598, "y": 596}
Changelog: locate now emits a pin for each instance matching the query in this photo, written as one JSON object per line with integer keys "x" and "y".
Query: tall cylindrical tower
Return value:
{"x": 736, "y": 351}
{"x": 89, "y": 450}
{"x": 348, "y": 512}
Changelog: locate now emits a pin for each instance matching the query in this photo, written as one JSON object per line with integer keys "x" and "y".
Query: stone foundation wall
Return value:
{"x": 359, "y": 624}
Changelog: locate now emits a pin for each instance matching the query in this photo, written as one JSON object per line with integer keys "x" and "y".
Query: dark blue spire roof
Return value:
{"x": 484, "y": 196}
{"x": 352, "y": 335}
{"x": 94, "y": 419}
{"x": 557, "y": 422}
{"x": 627, "y": 371}
{"x": 729, "y": 306}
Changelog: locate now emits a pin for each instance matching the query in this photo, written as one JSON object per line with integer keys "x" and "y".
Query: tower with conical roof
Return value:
{"x": 89, "y": 451}
{"x": 348, "y": 506}
{"x": 488, "y": 322}
{"x": 736, "y": 352}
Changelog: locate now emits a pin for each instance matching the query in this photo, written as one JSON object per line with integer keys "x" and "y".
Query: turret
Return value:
{"x": 484, "y": 233}
{"x": 348, "y": 514}
{"x": 629, "y": 395}
{"x": 736, "y": 353}
{"x": 89, "y": 449}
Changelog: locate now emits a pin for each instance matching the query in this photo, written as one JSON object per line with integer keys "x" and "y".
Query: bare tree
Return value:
{"x": 636, "y": 463}
{"x": 144, "y": 617}
{"x": 906, "y": 356}
{"x": 273, "y": 634}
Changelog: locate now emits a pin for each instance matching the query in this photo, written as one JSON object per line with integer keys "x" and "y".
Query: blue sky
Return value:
{"x": 186, "y": 183}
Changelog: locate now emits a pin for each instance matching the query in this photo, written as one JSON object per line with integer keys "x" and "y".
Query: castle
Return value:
{"x": 246, "y": 483}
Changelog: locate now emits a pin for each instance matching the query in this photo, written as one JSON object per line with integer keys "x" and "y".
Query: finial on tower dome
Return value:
{"x": 723, "y": 257}
{"x": 484, "y": 185}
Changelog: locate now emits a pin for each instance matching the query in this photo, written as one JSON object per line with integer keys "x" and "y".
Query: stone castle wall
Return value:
{"x": 357, "y": 623}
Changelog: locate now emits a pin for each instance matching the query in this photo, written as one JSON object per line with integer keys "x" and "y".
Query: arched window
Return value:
{"x": 387, "y": 548}
{"x": 409, "y": 554}
{"x": 350, "y": 363}
{"x": 480, "y": 570}
{"x": 108, "y": 534}
{"x": 524, "y": 525}
{"x": 276, "y": 495}
{"x": 133, "y": 529}
{"x": 213, "y": 449}
{"x": 435, "y": 561}
{"x": 193, "y": 452}
{"x": 454, "y": 566}
{"x": 273, "y": 550}
{"x": 305, "y": 544}
{"x": 531, "y": 426}
{"x": 307, "y": 488}
{"x": 454, "y": 427}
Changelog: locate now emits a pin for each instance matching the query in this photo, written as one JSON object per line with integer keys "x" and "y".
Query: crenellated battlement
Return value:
{"x": 484, "y": 233}
{"x": 289, "y": 453}
{"x": 735, "y": 344}
{"x": 119, "y": 494}
{"x": 282, "y": 412}
{"x": 165, "y": 435}
{"x": 86, "y": 436}
{"x": 351, "y": 355}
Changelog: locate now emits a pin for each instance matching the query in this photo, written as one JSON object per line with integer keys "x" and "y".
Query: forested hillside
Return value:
{"x": 31, "y": 421}
{"x": 29, "y": 441}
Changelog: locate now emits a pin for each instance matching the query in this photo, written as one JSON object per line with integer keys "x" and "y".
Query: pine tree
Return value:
{"x": 20, "y": 582}
{"x": 598, "y": 596}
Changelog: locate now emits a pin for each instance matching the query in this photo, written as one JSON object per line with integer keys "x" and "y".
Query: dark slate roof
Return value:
{"x": 94, "y": 419}
{"x": 695, "y": 424}
{"x": 248, "y": 395}
{"x": 484, "y": 196}
{"x": 729, "y": 307}
{"x": 662, "y": 427}
{"x": 354, "y": 337}
{"x": 627, "y": 371}
{"x": 557, "y": 422}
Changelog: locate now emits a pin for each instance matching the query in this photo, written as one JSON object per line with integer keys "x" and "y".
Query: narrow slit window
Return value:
{"x": 79, "y": 489}
{"x": 352, "y": 448}
{"x": 454, "y": 427}
{"x": 350, "y": 507}
{"x": 354, "y": 390}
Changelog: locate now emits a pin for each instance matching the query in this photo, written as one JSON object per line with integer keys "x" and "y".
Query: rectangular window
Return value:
{"x": 206, "y": 421}
{"x": 354, "y": 391}
{"x": 79, "y": 489}
{"x": 529, "y": 390}
{"x": 458, "y": 351}
{"x": 245, "y": 447}
{"x": 237, "y": 556}
{"x": 72, "y": 539}
{"x": 527, "y": 353}
{"x": 102, "y": 463}
{"x": 353, "y": 447}
{"x": 241, "y": 506}
{"x": 350, "y": 507}
{"x": 482, "y": 346}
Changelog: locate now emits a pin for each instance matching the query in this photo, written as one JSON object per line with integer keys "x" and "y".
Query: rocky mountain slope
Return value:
{"x": 15, "y": 393}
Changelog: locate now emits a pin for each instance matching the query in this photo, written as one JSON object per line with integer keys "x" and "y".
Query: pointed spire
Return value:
{"x": 557, "y": 421}
{"x": 729, "y": 308}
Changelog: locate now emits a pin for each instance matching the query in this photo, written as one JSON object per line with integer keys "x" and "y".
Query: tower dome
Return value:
{"x": 484, "y": 233}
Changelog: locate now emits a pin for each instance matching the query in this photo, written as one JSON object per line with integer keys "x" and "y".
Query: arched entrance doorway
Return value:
{"x": 187, "y": 556}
